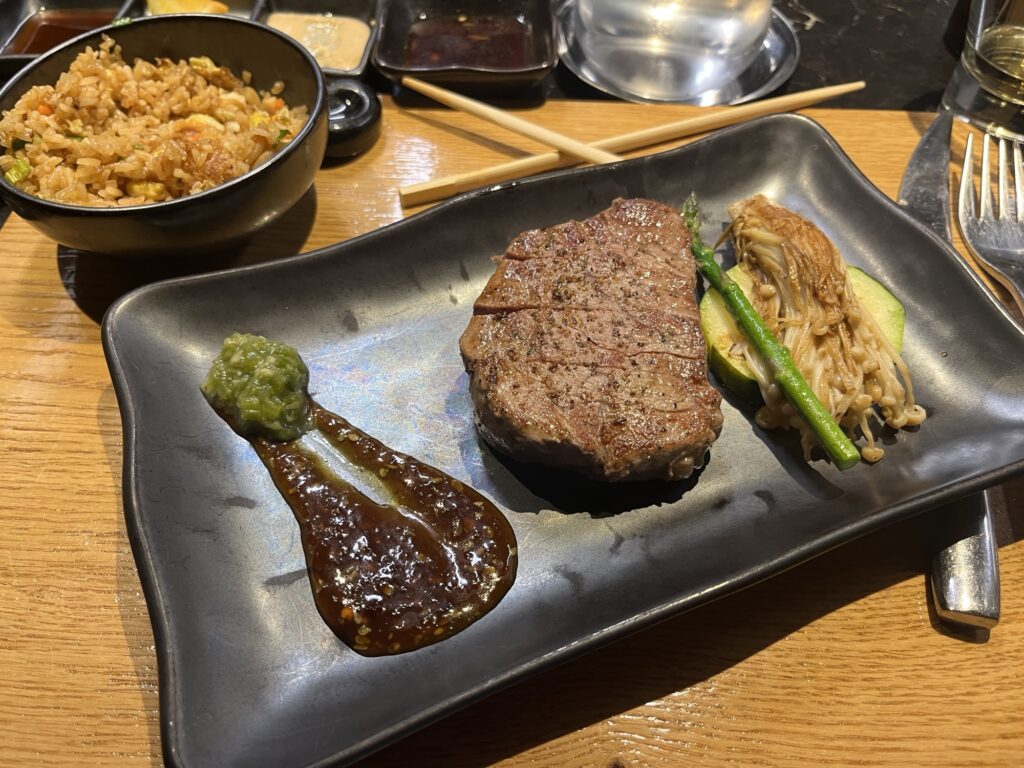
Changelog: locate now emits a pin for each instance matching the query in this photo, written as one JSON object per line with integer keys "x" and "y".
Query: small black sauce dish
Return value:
{"x": 29, "y": 28}
{"x": 353, "y": 118}
{"x": 484, "y": 47}
{"x": 218, "y": 217}
{"x": 364, "y": 11}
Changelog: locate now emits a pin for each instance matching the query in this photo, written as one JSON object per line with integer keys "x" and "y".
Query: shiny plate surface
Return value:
{"x": 250, "y": 675}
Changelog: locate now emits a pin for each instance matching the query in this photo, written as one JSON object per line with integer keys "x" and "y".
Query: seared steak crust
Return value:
{"x": 585, "y": 349}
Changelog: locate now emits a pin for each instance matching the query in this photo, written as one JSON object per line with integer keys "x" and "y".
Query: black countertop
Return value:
{"x": 905, "y": 49}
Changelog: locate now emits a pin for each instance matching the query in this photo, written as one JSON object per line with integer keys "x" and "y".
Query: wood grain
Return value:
{"x": 835, "y": 662}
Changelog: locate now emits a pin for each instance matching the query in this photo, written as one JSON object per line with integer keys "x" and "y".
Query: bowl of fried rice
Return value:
{"x": 168, "y": 135}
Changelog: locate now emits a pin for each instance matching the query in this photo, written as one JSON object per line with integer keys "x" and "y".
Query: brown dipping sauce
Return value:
{"x": 390, "y": 579}
{"x": 44, "y": 30}
{"x": 459, "y": 40}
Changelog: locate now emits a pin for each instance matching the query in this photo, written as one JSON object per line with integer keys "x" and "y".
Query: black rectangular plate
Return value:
{"x": 249, "y": 673}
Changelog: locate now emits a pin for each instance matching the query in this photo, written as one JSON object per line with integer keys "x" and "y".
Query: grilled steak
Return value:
{"x": 585, "y": 350}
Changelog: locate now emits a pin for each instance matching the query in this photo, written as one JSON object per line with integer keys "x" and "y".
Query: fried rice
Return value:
{"x": 114, "y": 134}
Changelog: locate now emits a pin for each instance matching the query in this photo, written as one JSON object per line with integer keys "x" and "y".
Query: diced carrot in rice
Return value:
{"x": 107, "y": 123}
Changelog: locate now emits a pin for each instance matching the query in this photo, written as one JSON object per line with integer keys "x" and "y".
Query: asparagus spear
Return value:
{"x": 837, "y": 445}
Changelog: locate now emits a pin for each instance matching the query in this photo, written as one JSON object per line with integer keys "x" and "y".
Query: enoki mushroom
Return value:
{"x": 802, "y": 289}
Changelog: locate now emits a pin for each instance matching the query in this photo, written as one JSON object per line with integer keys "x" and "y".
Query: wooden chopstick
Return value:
{"x": 449, "y": 186}
{"x": 515, "y": 124}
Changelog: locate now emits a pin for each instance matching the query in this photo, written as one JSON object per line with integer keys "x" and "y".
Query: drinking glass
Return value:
{"x": 988, "y": 83}
{"x": 671, "y": 49}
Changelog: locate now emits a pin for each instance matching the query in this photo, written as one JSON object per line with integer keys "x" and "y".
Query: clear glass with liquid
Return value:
{"x": 988, "y": 85}
{"x": 998, "y": 61}
{"x": 671, "y": 49}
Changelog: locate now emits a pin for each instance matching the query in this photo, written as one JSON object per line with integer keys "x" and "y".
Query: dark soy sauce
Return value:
{"x": 388, "y": 579}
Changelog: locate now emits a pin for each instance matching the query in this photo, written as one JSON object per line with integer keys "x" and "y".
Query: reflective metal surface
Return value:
{"x": 775, "y": 62}
{"x": 995, "y": 233}
{"x": 965, "y": 569}
{"x": 924, "y": 189}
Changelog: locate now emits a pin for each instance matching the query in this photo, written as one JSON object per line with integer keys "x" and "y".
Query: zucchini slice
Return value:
{"x": 721, "y": 333}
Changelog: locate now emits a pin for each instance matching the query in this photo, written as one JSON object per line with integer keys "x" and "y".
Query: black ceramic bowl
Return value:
{"x": 217, "y": 217}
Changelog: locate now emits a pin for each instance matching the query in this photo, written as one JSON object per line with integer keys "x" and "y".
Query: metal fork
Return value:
{"x": 995, "y": 237}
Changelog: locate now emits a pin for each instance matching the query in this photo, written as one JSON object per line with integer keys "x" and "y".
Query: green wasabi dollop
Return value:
{"x": 259, "y": 387}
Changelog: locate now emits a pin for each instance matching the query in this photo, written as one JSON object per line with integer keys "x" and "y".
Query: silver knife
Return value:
{"x": 965, "y": 569}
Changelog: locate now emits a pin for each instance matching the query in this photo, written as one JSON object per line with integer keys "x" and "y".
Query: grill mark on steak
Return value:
{"x": 585, "y": 349}
{"x": 573, "y": 336}
{"x": 631, "y": 222}
{"x": 596, "y": 278}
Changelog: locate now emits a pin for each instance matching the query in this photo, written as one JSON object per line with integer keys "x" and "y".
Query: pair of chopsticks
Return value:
{"x": 570, "y": 151}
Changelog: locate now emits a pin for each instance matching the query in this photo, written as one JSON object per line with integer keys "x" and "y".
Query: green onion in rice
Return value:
{"x": 165, "y": 129}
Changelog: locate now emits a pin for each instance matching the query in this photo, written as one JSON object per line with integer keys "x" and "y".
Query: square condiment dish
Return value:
{"x": 364, "y": 11}
{"x": 424, "y": 40}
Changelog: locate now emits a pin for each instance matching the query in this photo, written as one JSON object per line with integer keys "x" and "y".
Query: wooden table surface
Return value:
{"x": 838, "y": 661}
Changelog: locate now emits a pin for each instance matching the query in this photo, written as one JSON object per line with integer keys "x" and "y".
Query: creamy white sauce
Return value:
{"x": 336, "y": 42}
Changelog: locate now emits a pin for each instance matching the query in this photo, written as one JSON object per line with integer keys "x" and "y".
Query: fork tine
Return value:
{"x": 965, "y": 202}
{"x": 997, "y": 243}
{"x": 1018, "y": 181}
{"x": 1004, "y": 168}
{"x": 985, "y": 181}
